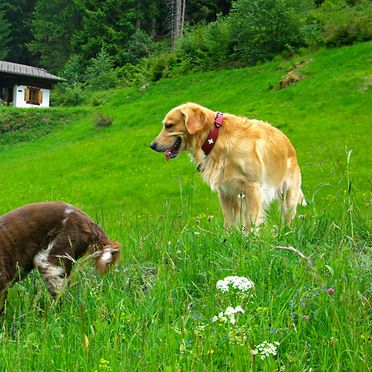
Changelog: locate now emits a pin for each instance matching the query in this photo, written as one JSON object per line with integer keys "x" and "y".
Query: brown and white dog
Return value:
{"x": 50, "y": 236}
{"x": 248, "y": 162}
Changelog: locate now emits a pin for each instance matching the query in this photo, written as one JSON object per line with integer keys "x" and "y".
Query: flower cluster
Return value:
{"x": 237, "y": 282}
{"x": 228, "y": 315}
{"x": 265, "y": 349}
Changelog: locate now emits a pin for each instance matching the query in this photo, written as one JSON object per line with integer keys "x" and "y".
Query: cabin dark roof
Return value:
{"x": 24, "y": 70}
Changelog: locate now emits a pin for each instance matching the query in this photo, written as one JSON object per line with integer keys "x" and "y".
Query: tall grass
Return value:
{"x": 155, "y": 310}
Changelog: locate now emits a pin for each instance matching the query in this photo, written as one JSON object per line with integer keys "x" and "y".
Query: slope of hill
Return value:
{"x": 325, "y": 115}
{"x": 155, "y": 311}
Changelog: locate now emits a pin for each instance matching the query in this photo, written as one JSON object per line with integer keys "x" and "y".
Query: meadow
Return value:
{"x": 160, "y": 309}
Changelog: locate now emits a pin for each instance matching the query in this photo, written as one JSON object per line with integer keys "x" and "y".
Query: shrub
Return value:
{"x": 160, "y": 65}
{"x": 130, "y": 74}
{"x": 343, "y": 24}
{"x": 102, "y": 120}
{"x": 193, "y": 47}
{"x": 264, "y": 28}
{"x": 66, "y": 94}
{"x": 100, "y": 72}
{"x": 219, "y": 41}
{"x": 141, "y": 45}
{"x": 73, "y": 71}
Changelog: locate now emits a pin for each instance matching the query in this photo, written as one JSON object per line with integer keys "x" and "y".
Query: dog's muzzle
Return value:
{"x": 170, "y": 152}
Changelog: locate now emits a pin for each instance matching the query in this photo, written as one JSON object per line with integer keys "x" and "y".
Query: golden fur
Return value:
{"x": 251, "y": 164}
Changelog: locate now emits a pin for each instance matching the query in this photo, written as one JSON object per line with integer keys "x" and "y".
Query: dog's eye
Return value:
{"x": 168, "y": 125}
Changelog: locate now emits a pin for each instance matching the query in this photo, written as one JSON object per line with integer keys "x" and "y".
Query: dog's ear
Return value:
{"x": 195, "y": 118}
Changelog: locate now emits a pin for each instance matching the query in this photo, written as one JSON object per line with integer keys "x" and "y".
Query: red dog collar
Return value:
{"x": 213, "y": 134}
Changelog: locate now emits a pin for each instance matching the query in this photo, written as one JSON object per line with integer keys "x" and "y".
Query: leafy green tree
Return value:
{"x": 107, "y": 24}
{"x": 100, "y": 72}
{"x": 73, "y": 71}
{"x": 4, "y": 36}
{"x": 18, "y": 14}
{"x": 140, "y": 45}
{"x": 264, "y": 28}
{"x": 53, "y": 24}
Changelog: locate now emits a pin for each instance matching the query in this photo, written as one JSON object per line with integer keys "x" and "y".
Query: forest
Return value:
{"x": 103, "y": 44}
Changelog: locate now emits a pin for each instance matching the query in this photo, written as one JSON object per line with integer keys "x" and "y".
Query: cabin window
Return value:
{"x": 33, "y": 96}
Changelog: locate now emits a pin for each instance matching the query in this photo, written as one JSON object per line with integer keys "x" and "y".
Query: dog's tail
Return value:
{"x": 301, "y": 199}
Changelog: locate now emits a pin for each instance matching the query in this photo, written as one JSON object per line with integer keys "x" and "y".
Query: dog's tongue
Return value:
{"x": 168, "y": 154}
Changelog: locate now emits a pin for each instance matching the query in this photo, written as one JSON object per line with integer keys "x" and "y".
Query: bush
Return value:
{"x": 219, "y": 41}
{"x": 100, "y": 72}
{"x": 193, "y": 47}
{"x": 66, "y": 94}
{"x": 264, "y": 28}
{"x": 137, "y": 74}
{"x": 343, "y": 24}
{"x": 73, "y": 71}
{"x": 102, "y": 120}
{"x": 161, "y": 65}
{"x": 141, "y": 45}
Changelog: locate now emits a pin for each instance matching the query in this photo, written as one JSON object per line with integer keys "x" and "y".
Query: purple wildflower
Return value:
{"x": 331, "y": 291}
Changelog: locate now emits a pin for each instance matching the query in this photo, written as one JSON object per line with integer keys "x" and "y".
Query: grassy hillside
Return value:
{"x": 155, "y": 311}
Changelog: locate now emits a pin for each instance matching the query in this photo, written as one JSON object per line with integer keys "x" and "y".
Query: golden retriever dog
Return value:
{"x": 248, "y": 162}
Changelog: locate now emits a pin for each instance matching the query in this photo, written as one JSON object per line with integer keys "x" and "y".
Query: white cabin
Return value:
{"x": 25, "y": 86}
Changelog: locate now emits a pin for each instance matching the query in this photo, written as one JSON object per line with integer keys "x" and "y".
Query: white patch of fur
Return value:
{"x": 41, "y": 259}
{"x": 268, "y": 194}
{"x": 69, "y": 209}
{"x": 106, "y": 257}
{"x": 53, "y": 275}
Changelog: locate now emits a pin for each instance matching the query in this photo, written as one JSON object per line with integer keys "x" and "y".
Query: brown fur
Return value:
{"x": 251, "y": 164}
{"x": 50, "y": 236}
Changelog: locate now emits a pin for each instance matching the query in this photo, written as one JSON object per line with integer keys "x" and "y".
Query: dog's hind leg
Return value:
{"x": 291, "y": 197}
{"x": 253, "y": 215}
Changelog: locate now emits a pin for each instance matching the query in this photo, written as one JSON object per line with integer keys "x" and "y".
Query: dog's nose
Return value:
{"x": 153, "y": 145}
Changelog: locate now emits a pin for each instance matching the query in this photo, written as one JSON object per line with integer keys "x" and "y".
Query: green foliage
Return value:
{"x": 344, "y": 24}
{"x": 107, "y": 24}
{"x": 137, "y": 74}
{"x": 53, "y": 24}
{"x": 73, "y": 70}
{"x": 25, "y": 125}
{"x": 68, "y": 94}
{"x": 18, "y": 15}
{"x": 100, "y": 72}
{"x": 140, "y": 45}
{"x": 4, "y": 35}
{"x": 264, "y": 28}
{"x": 161, "y": 65}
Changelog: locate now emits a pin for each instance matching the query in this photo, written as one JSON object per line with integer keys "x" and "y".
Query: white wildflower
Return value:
{"x": 228, "y": 314}
{"x": 265, "y": 349}
{"x": 240, "y": 283}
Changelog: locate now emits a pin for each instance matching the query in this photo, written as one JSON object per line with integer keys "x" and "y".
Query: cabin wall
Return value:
{"x": 19, "y": 97}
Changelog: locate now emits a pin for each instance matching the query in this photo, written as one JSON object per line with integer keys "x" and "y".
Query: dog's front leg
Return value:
{"x": 230, "y": 208}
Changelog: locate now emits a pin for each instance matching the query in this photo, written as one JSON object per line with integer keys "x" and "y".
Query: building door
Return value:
{"x": 7, "y": 95}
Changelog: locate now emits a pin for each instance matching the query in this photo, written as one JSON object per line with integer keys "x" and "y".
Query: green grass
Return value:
{"x": 154, "y": 311}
